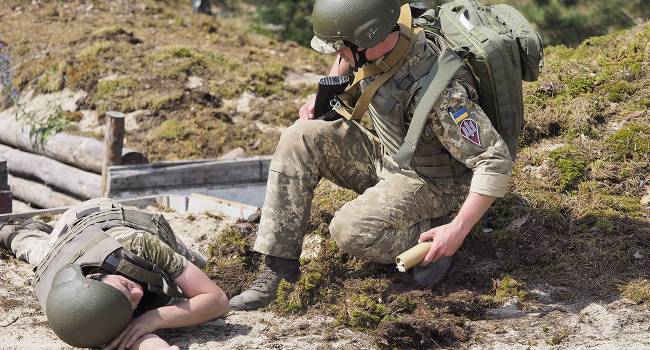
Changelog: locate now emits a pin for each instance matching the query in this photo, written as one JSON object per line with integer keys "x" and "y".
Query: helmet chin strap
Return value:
{"x": 360, "y": 58}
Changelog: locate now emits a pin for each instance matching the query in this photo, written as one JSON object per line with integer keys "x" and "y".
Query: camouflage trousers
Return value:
{"x": 31, "y": 246}
{"x": 394, "y": 206}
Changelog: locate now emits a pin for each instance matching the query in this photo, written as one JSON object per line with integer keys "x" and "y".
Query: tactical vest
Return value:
{"x": 387, "y": 109}
{"x": 84, "y": 242}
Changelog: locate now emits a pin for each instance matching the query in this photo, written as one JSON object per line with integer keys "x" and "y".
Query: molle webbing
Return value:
{"x": 108, "y": 218}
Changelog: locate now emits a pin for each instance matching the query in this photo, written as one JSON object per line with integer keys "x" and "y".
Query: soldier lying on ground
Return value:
{"x": 106, "y": 273}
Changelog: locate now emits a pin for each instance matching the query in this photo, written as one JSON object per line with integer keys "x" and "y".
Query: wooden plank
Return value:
{"x": 79, "y": 183}
{"x": 78, "y": 151}
{"x": 4, "y": 184}
{"x": 6, "y": 202}
{"x": 142, "y": 202}
{"x": 169, "y": 175}
{"x": 199, "y": 203}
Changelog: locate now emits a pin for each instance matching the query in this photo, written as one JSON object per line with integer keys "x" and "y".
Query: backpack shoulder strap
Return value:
{"x": 436, "y": 82}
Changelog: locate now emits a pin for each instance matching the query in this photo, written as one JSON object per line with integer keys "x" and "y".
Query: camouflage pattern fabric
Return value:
{"x": 394, "y": 207}
{"x": 31, "y": 246}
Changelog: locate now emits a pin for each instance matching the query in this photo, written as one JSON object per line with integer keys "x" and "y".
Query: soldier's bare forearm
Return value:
{"x": 472, "y": 210}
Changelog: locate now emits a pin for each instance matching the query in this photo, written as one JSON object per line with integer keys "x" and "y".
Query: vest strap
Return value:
{"x": 436, "y": 82}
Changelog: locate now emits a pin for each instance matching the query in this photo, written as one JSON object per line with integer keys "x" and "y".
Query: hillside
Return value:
{"x": 189, "y": 80}
{"x": 561, "y": 262}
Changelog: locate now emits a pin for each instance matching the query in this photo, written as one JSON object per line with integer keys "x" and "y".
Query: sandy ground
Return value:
{"x": 620, "y": 324}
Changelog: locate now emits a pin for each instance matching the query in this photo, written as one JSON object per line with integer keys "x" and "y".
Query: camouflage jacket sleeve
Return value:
{"x": 152, "y": 249}
{"x": 467, "y": 133}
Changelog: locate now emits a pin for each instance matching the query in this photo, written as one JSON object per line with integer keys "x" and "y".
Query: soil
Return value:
{"x": 543, "y": 319}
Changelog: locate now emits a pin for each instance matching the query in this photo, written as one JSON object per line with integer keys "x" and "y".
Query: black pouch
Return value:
{"x": 328, "y": 88}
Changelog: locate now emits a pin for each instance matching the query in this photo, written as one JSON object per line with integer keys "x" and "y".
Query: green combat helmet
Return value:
{"x": 84, "y": 312}
{"x": 362, "y": 23}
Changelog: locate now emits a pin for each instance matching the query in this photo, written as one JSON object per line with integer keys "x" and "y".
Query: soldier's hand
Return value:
{"x": 446, "y": 239}
{"x": 306, "y": 112}
{"x": 138, "y": 327}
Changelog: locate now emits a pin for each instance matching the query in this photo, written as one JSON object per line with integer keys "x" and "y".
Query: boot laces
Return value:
{"x": 264, "y": 279}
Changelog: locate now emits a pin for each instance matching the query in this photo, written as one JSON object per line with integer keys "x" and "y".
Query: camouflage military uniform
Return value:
{"x": 395, "y": 205}
{"x": 32, "y": 245}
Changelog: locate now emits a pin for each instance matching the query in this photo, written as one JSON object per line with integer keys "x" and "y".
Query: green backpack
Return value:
{"x": 501, "y": 49}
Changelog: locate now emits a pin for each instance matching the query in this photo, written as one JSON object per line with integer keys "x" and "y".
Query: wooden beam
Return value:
{"x": 113, "y": 143}
{"x": 184, "y": 174}
{"x": 6, "y": 198}
{"x": 69, "y": 179}
{"x": 81, "y": 152}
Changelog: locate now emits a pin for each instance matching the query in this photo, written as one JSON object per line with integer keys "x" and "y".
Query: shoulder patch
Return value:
{"x": 460, "y": 115}
{"x": 469, "y": 130}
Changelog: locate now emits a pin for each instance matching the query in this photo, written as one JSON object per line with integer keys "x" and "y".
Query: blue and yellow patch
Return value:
{"x": 459, "y": 115}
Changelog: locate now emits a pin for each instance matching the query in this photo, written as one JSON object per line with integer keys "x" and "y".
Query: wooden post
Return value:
{"x": 5, "y": 191}
{"x": 113, "y": 143}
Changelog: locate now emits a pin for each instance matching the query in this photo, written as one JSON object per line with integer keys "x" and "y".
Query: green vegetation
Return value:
{"x": 638, "y": 291}
{"x": 571, "y": 167}
{"x": 631, "y": 142}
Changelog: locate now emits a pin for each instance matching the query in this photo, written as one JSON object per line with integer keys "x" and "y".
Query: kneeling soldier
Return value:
{"x": 105, "y": 274}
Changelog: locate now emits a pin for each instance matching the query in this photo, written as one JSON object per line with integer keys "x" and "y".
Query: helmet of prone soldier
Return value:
{"x": 84, "y": 312}
{"x": 363, "y": 23}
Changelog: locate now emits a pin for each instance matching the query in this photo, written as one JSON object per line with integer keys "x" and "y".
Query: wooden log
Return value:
{"x": 69, "y": 179}
{"x": 81, "y": 152}
{"x": 113, "y": 143}
{"x": 39, "y": 195}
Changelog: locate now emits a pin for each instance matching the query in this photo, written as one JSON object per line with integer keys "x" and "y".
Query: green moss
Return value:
{"x": 171, "y": 130}
{"x": 154, "y": 102}
{"x": 268, "y": 80}
{"x": 619, "y": 91}
{"x": 571, "y": 166}
{"x": 508, "y": 287}
{"x": 115, "y": 88}
{"x": 92, "y": 51}
{"x": 109, "y": 31}
{"x": 631, "y": 142}
{"x": 637, "y": 290}
{"x": 363, "y": 312}
{"x": 53, "y": 78}
{"x": 580, "y": 84}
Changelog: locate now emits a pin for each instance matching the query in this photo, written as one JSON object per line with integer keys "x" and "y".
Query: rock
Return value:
{"x": 516, "y": 224}
{"x": 90, "y": 122}
{"x": 244, "y": 102}
{"x": 645, "y": 200}
{"x": 194, "y": 82}
{"x": 297, "y": 79}
{"x": 597, "y": 316}
{"x": 637, "y": 255}
{"x": 132, "y": 120}
{"x": 233, "y": 154}
{"x": 510, "y": 309}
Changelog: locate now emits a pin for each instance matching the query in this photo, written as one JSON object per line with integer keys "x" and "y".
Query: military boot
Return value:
{"x": 7, "y": 234}
{"x": 265, "y": 287}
